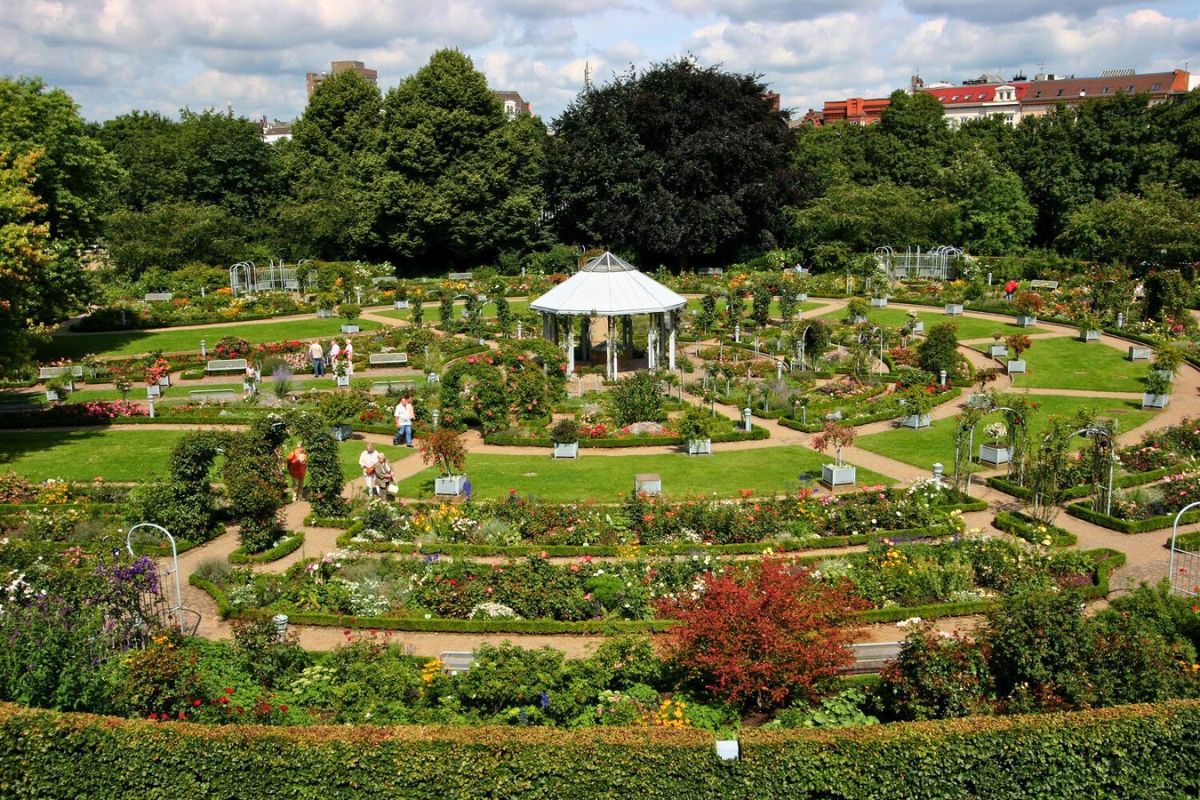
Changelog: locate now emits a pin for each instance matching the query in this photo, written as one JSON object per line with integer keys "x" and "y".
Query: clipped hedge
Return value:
{"x": 818, "y": 425}
{"x": 1125, "y": 481}
{"x": 286, "y": 546}
{"x": 755, "y": 433}
{"x": 1084, "y": 511}
{"x": 1145, "y": 751}
{"x": 1026, "y": 527}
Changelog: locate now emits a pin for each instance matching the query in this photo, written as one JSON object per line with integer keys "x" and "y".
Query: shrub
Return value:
{"x": 842, "y": 710}
{"x": 695, "y": 424}
{"x": 762, "y": 636}
{"x": 939, "y": 351}
{"x": 637, "y": 399}
{"x": 444, "y": 448}
{"x": 936, "y": 676}
{"x": 507, "y": 676}
{"x": 324, "y": 478}
{"x": 266, "y": 657}
{"x": 565, "y": 431}
{"x": 349, "y": 311}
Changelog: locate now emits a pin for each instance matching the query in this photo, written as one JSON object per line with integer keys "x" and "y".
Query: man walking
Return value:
{"x": 317, "y": 354}
{"x": 368, "y": 459}
{"x": 404, "y": 421}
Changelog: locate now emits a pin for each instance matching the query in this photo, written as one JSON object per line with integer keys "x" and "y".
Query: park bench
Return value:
{"x": 226, "y": 365}
{"x": 1137, "y": 353}
{"x": 205, "y": 395}
{"x": 712, "y": 271}
{"x": 158, "y": 297}
{"x": 378, "y": 279}
{"x": 387, "y": 359}
{"x": 59, "y": 372}
{"x": 19, "y": 408}
{"x": 383, "y": 387}
{"x": 459, "y": 276}
{"x": 455, "y": 663}
{"x": 1040, "y": 284}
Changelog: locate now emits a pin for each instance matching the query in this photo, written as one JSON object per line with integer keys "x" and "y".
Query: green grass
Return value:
{"x": 177, "y": 393}
{"x": 120, "y": 454}
{"x": 606, "y": 478}
{"x": 935, "y": 444}
{"x": 968, "y": 327}
{"x": 433, "y": 313}
{"x": 1068, "y": 363}
{"x": 130, "y": 343}
{"x": 697, "y": 304}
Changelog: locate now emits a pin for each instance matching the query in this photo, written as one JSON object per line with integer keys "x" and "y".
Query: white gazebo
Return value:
{"x": 608, "y": 286}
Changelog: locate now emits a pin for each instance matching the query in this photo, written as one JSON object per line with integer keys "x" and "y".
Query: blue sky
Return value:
{"x": 117, "y": 55}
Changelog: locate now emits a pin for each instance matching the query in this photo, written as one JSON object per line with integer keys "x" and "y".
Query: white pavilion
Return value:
{"x": 608, "y": 286}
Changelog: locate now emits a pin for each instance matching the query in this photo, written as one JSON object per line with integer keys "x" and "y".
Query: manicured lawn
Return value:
{"x": 697, "y": 304}
{"x": 968, "y": 327}
{"x": 129, "y": 343}
{"x": 125, "y": 454}
{"x": 935, "y": 444}
{"x": 772, "y": 470}
{"x": 433, "y": 313}
{"x": 1068, "y": 363}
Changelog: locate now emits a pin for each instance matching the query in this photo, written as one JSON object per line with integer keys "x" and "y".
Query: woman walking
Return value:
{"x": 297, "y": 466}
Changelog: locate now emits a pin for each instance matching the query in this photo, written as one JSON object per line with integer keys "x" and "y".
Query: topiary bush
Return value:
{"x": 637, "y": 398}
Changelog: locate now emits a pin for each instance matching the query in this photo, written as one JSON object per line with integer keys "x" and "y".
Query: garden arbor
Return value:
{"x": 608, "y": 286}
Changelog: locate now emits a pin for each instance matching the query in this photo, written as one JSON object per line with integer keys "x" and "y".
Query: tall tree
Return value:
{"x": 677, "y": 162}
{"x": 993, "y": 215}
{"x": 24, "y": 254}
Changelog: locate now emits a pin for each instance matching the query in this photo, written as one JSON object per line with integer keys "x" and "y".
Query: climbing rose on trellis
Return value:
{"x": 764, "y": 635}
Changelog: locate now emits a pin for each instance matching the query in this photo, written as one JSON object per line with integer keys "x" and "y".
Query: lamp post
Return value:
{"x": 203, "y": 349}
{"x": 437, "y": 415}
{"x": 746, "y": 418}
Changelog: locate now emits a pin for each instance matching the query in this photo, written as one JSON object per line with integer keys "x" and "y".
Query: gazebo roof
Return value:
{"x": 608, "y": 286}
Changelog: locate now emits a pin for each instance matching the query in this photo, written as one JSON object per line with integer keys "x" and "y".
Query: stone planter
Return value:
{"x": 833, "y": 475}
{"x": 51, "y": 396}
{"x": 1016, "y": 365}
{"x": 349, "y": 329}
{"x": 994, "y": 454}
{"x": 1155, "y": 400}
{"x": 858, "y": 320}
{"x": 449, "y": 485}
{"x": 153, "y": 390}
{"x": 1139, "y": 353}
{"x": 1026, "y": 320}
{"x": 879, "y": 302}
{"x": 998, "y": 351}
{"x": 165, "y": 380}
{"x": 954, "y": 309}
{"x": 568, "y": 450}
{"x": 918, "y": 327}
{"x": 343, "y": 380}
{"x": 341, "y": 432}
{"x": 324, "y": 313}
{"x": 699, "y": 447}
{"x": 916, "y": 421}
{"x": 400, "y": 305}
{"x": 1091, "y": 336}
{"x": 802, "y": 297}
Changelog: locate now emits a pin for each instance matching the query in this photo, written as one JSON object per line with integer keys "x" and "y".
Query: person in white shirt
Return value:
{"x": 368, "y": 459}
{"x": 348, "y": 354}
{"x": 335, "y": 350}
{"x": 405, "y": 413}
{"x": 317, "y": 354}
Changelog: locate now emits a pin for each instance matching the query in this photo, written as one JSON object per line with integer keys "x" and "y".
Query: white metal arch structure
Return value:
{"x": 241, "y": 277}
{"x": 176, "y": 611}
{"x": 1191, "y": 559}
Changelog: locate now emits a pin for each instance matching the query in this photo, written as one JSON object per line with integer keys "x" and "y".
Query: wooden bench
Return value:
{"x": 712, "y": 271}
{"x": 1039, "y": 284}
{"x": 380, "y": 279}
{"x": 205, "y": 395}
{"x": 59, "y": 372}
{"x": 226, "y": 365}
{"x": 158, "y": 297}
{"x": 459, "y": 276}
{"x": 386, "y": 359}
{"x": 1139, "y": 353}
{"x": 383, "y": 387}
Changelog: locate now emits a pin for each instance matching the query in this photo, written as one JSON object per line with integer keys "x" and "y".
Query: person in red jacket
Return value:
{"x": 1010, "y": 289}
{"x": 297, "y": 466}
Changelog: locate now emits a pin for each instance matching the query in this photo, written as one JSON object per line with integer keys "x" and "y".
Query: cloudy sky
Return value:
{"x": 117, "y": 55}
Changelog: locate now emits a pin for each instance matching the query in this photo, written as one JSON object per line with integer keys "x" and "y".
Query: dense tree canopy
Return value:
{"x": 680, "y": 161}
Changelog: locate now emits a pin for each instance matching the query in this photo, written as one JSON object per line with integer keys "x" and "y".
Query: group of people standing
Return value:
{"x": 336, "y": 351}
{"x": 378, "y": 476}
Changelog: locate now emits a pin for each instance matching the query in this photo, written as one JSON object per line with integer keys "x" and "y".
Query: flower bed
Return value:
{"x": 1081, "y": 489}
{"x": 867, "y": 413}
{"x": 285, "y": 546}
{"x": 1140, "y": 517}
{"x": 1032, "y": 531}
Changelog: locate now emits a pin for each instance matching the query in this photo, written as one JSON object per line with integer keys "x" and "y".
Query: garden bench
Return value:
{"x": 204, "y": 395}
{"x": 1040, "y": 284}
{"x": 383, "y": 279}
{"x": 59, "y": 372}
{"x": 454, "y": 663}
{"x": 1138, "y": 353}
{"x": 158, "y": 297}
{"x": 19, "y": 408}
{"x": 227, "y": 365}
{"x": 383, "y": 387}
{"x": 291, "y": 284}
{"x": 380, "y": 359}
{"x": 712, "y": 271}
{"x": 459, "y": 276}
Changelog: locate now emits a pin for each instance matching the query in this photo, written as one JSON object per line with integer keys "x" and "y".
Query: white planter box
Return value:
{"x": 1139, "y": 353}
{"x": 1091, "y": 336}
{"x": 1016, "y": 366}
{"x": 349, "y": 329}
{"x": 165, "y": 380}
{"x": 998, "y": 351}
{"x": 324, "y": 313}
{"x": 879, "y": 302}
{"x": 832, "y": 475}
{"x": 252, "y": 388}
{"x": 1166, "y": 373}
{"x": 1155, "y": 400}
{"x": 341, "y": 433}
{"x": 802, "y": 297}
{"x": 570, "y": 450}
{"x": 1026, "y": 320}
{"x": 449, "y": 485}
{"x": 858, "y": 320}
{"x": 916, "y": 421}
{"x": 699, "y": 447}
{"x": 400, "y": 305}
{"x": 918, "y": 327}
{"x": 153, "y": 391}
{"x": 648, "y": 483}
{"x": 343, "y": 380}
{"x": 991, "y": 454}
{"x": 954, "y": 309}
{"x": 51, "y": 395}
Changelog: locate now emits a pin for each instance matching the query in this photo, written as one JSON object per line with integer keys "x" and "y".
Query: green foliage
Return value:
{"x": 266, "y": 657}
{"x": 255, "y": 484}
{"x": 637, "y": 398}
{"x": 565, "y": 431}
{"x": 939, "y": 350}
{"x": 324, "y": 479}
{"x": 936, "y": 677}
{"x": 842, "y": 710}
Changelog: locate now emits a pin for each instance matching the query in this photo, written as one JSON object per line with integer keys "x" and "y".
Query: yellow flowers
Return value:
{"x": 431, "y": 670}
{"x": 670, "y": 715}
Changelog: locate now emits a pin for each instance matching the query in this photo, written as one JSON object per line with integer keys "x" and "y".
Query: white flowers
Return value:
{"x": 908, "y": 623}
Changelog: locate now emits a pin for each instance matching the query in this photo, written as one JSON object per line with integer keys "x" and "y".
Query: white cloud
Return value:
{"x": 774, "y": 10}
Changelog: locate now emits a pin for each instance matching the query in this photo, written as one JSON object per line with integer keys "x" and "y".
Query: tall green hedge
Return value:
{"x": 1143, "y": 751}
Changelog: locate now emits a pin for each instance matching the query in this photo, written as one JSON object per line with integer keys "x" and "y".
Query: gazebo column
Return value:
{"x": 610, "y": 352}
{"x": 627, "y": 335}
{"x": 652, "y": 343}
{"x": 585, "y": 334}
{"x": 671, "y": 340}
{"x": 546, "y": 326}
{"x": 570, "y": 349}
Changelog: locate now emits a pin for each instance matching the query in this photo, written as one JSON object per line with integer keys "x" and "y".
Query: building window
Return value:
{"x": 954, "y": 98}
{"x": 1107, "y": 89}
{"x": 1058, "y": 93}
{"x": 1039, "y": 93}
{"x": 1130, "y": 89}
{"x": 1154, "y": 88}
